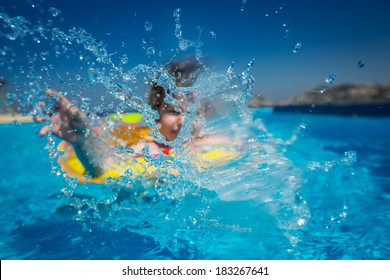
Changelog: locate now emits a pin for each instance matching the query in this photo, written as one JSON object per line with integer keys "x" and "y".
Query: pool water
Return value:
{"x": 317, "y": 188}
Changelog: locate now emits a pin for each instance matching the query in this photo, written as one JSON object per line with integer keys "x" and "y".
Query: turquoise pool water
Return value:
{"x": 318, "y": 188}
{"x": 304, "y": 187}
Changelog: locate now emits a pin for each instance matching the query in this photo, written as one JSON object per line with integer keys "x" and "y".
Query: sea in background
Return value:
{"x": 339, "y": 163}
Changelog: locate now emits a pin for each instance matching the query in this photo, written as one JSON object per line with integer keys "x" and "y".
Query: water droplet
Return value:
{"x": 86, "y": 102}
{"x": 60, "y": 78}
{"x": 331, "y": 78}
{"x": 129, "y": 172}
{"x": 148, "y": 26}
{"x": 286, "y": 33}
{"x": 150, "y": 52}
{"x": 301, "y": 222}
{"x": 54, "y": 12}
{"x": 212, "y": 34}
{"x": 361, "y": 64}
{"x": 183, "y": 45}
{"x": 144, "y": 44}
{"x": 350, "y": 157}
{"x": 124, "y": 59}
{"x": 119, "y": 150}
{"x": 243, "y": 6}
{"x": 297, "y": 47}
{"x": 67, "y": 192}
{"x": 176, "y": 13}
{"x": 44, "y": 55}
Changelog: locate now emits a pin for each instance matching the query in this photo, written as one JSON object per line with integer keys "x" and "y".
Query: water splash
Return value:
{"x": 297, "y": 47}
{"x": 243, "y": 6}
{"x": 330, "y": 79}
{"x": 18, "y": 27}
{"x": 286, "y": 33}
{"x": 124, "y": 59}
{"x": 348, "y": 160}
{"x": 184, "y": 44}
{"x": 54, "y": 12}
{"x": 150, "y": 52}
{"x": 148, "y": 26}
{"x": 170, "y": 205}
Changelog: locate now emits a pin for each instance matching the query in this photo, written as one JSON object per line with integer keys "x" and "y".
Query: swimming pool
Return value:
{"x": 305, "y": 187}
{"x": 320, "y": 190}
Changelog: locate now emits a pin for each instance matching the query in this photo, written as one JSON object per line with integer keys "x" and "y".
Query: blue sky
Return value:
{"x": 334, "y": 35}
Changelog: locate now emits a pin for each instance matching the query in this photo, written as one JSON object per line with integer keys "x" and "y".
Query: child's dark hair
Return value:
{"x": 185, "y": 71}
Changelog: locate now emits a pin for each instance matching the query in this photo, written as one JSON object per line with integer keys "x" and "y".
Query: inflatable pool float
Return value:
{"x": 126, "y": 133}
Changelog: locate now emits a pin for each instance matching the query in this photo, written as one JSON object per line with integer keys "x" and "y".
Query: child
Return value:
{"x": 70, "y": 124}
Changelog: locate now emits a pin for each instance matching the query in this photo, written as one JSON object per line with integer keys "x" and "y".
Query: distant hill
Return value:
{"x": 346, "y": 94}
{"x": 347, "y": 99}
{"x": 260, "y": 101}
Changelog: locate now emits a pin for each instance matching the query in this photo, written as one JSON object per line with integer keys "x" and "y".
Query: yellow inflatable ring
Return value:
{"x": 130, "y": 134}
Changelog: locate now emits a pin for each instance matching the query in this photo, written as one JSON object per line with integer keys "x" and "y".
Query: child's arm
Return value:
{"x": 70, "y": 123}
{"x": 215, "y": 140}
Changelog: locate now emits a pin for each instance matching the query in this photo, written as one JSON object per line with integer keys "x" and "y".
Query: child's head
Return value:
{"x": 171, "y": 118}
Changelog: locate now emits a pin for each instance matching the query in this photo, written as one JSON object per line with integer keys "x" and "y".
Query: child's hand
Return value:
{"x": 67, "y": 122}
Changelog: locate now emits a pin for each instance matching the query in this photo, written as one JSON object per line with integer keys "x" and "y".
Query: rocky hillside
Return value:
{"x": 347, "y": 94}
{"x": 260, "y": 101}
